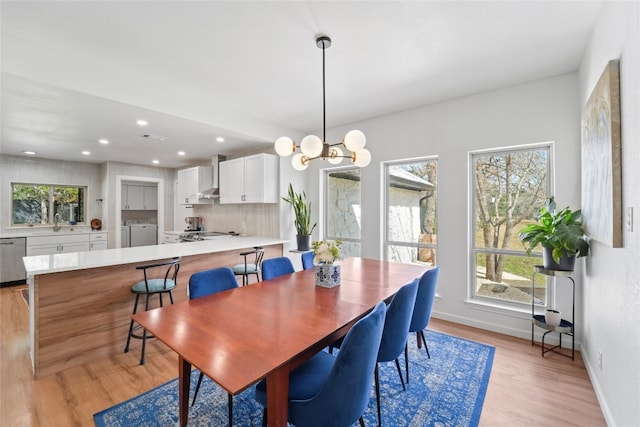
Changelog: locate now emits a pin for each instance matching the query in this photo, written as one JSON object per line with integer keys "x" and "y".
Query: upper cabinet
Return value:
{"x": 139, "y": 197}
{"x": 252, "y": 179}
{"x": 192, "y": 182}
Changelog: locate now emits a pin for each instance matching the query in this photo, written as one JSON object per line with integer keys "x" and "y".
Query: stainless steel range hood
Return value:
{"x": 214, "y": 191}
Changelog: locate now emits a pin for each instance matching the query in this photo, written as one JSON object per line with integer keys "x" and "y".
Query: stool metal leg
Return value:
{"x": 135, "y": 308}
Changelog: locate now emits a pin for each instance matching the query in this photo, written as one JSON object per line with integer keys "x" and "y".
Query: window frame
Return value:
{"x": 51, "y": 198}
{"x": 325, "y": 214}
{"x": 385, "y": 207}
{"x": 496, "y": 304}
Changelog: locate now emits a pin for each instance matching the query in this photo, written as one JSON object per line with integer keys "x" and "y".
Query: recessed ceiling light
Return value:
{"x": 103, "y": 141}
{"x": 181, "y": 153}
{"x": 142, "y": 123}
{"x": 155, "y": 162}
{"x": 86, "y": 153}
{"x": 220, "y": 139}
{"x": 31, "y": 153}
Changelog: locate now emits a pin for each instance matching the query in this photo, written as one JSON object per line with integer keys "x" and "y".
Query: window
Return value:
{"x": 342, "y": 209}
{"x": 509, "y": 186}
{"x": 411, "y": 211}
{"x": 37, "y": 204}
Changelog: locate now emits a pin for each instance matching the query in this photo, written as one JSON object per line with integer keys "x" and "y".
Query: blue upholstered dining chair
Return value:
{"x": 395, "y": 332}
{"x": 422, "y": 310}
{"x": 307, "y": 260}
{"x": 330, "y": 390}
{"x": 205, "y": 283}
{"x": 251, "y": 264}
{"x": 274, "y": 267}
{"x": 165, "y": 281}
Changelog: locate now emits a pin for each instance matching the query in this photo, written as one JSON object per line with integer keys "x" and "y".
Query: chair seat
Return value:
{"x": 240, "y": 269}
{"x": 155, "y": 285}
{"x": 304, "y": 381}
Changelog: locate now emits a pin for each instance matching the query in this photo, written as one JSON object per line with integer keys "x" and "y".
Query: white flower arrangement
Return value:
{"x": 326, "y": 252}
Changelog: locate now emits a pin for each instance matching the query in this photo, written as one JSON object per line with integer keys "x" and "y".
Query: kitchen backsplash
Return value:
{"x": 261, "y": 218}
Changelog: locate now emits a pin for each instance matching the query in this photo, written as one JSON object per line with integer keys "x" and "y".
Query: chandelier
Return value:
{"x": 312, "y": 147}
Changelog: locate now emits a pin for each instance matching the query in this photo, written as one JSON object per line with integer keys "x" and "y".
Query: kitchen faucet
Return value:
{"x": 56, "y": 222}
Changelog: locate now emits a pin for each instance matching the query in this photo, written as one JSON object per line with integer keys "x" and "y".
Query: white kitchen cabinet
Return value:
{"x": 139, "y": 197}
{"x": 150, "y": 198}
{"x": 192, "y": 182}
{"x": 251, "y": 179}
{"x": 97, "y": 241}
{"x": 57, "y": 244}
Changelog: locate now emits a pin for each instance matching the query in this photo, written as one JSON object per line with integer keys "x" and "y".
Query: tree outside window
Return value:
{"x": 509, "y": 188}
{"x": 37, "y": 204}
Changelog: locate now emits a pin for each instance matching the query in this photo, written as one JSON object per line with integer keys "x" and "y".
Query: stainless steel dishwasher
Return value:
{"x": 11, "y": 266}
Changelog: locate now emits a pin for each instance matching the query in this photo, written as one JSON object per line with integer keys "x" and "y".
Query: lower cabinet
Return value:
{"x": 65, "y": 243}
{"x": 97, "y": 241}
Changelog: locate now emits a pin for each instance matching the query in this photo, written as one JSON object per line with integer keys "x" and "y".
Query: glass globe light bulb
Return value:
{"x": 300, "y": 162}
{"x": 284, "y": 146}
{"x": 311, "y": 146}
{"x": 355, "y": 140}
{"x": 335, "y": 156}
{"x": 361, "y": 158}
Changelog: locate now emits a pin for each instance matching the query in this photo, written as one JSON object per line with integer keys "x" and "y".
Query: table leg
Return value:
{"x": 278, "y": 397}
{"x": 184, "y": 384}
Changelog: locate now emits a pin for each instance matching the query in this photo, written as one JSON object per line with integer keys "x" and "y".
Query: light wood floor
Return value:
{"x": 525, "y": 389}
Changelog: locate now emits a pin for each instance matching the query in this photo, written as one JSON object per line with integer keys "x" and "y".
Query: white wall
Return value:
{"x": 536, "y": 112}
{"x": 540, "y": 111}
{"x": 43, "y": 171}
{"x": 611, "y": 283}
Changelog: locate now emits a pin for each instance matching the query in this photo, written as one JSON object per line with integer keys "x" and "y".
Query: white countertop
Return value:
{"x": 43, "y": 264}
{"x": 34, "y": 232}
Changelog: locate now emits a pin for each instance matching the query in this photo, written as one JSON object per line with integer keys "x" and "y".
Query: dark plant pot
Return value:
{"x": 567, "y": 262}
{"x": 304, "y": 242}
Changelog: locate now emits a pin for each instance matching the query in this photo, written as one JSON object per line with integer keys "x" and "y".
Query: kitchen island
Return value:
{"x": 80, "y": 303}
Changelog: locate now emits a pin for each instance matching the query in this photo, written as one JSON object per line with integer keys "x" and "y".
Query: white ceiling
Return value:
{"x": 77, "y": 71}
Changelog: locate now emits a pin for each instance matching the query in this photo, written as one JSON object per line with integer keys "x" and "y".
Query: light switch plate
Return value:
{"x": 629, "y": 219}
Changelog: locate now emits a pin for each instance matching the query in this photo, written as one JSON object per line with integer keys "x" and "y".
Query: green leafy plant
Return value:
{"x": 301, "y": 211}
{"x": 560, "y": 230}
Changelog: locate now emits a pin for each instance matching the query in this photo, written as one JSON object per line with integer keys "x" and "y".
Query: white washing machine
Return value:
{"x": 143, "y": 235}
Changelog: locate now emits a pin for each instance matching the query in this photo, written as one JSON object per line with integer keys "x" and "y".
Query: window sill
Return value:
{"x": 497, "y": 308}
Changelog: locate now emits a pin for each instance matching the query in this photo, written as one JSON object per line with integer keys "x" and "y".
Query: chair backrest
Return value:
{"x": 256, "y": 262}
{"x": 396, "y": 323}
{"x": 274, "y": 267}
{"x": 211, "y": 281}
{"x": 424, "y": 300}
{"x": 344, "y": 396}
{"x": 307, "y": 260}
{"x": 170, "y": 272}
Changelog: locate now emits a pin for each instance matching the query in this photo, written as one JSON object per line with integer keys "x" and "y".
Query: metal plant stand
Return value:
{"x": 566, "y": 327}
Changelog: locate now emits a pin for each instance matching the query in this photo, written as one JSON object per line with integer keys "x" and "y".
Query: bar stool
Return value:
{"x": 149, "y": 287}
{"x": 250, "y": 266}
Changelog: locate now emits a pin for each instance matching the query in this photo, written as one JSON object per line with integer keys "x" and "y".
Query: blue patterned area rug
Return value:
{"x": 446, "y": 390}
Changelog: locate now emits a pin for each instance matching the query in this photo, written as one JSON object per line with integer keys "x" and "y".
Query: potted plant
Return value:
{"x": 326, "y": 252}
{"x": 560, "y": 234}
{"x": 302, "y": 220}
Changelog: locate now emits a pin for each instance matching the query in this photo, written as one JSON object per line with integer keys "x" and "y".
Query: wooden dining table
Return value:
{"x": 265, "y": 330}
